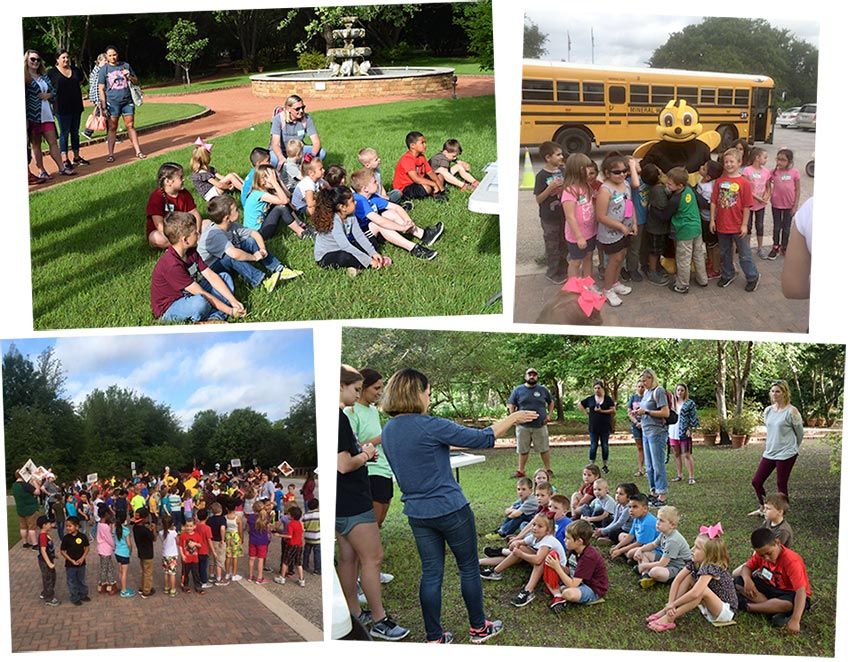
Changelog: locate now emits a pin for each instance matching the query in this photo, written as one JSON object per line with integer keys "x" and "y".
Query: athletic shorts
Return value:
{"x": 382, "y": 488}
{"x": 344, "y": 525}
{"x": 293, "y": 556}
{"x": 122, "y": 560}
{"x": 576, "y": 253}
{"x": 258, "y": 551}
{"x": 619, "y": 245}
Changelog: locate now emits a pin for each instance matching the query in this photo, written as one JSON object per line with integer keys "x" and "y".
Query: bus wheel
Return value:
{"x": 574, "y": 141}
{"x": 728, "y": 135}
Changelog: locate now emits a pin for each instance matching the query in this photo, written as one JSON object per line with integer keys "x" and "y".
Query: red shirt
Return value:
{"x": 408, "y": 162}
{"x": 296, "y": 530}
{"x": 183, "y": 540}
{"x": 171, "y": 276}
{"x": 730, "y": 195}
{"x": 159, "y": 204}
{"x": 205, "y": 532}
{"x": 787, "y": 574}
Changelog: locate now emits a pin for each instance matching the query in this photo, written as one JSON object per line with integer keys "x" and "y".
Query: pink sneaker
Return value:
{"x": 262, "y": 580}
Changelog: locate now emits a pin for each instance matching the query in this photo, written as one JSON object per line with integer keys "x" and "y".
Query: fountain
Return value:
{"x": 350, "y": 74}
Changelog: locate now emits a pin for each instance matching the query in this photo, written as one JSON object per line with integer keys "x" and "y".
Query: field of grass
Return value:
{"x": 722, "y": 492}
{"x": 91, "y": 264}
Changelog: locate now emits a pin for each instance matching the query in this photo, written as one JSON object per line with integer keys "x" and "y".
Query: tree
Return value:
{"x": 477, "y": 19}
{"x": 241, "y": 434}
{"x": 534, "y": 41}
{"x": 183, "y": 48}
{"x": 203, "y": 429}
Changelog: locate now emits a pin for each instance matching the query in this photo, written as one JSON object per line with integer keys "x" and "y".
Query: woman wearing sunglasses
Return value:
{"x": 40, "y": 119}
{"x": 293, "y": 121}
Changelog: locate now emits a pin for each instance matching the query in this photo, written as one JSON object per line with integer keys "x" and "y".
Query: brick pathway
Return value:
{"x": 240, "y": 617}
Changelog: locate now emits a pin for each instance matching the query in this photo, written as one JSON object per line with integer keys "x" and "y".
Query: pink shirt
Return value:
{"x": 784, "y": 188}
{"x": 759, "y": 178}
{"x": 105, "y": 542}
{"x": 585, "y": 214}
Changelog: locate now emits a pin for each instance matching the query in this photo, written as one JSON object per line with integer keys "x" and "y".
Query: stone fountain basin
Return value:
{"x": 380, "y": 81}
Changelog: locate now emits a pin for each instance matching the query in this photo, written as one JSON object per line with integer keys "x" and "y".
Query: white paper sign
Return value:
{"x": 285, "y": 468}
{"x": 236, "y": 462}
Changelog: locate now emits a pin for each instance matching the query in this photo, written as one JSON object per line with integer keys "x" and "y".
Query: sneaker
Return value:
{"x": 207, "y": 585}
{"x": 490, "y": 629}
{"x": 646, "y": 582}
{"x": 780, "y": 620}
{"x": 752, "y": 285}
{"x": 282, "y": 580}
{"x": 636, "y": 275}
{"x": 222, "y": 582}
{"x": 774, "y": 253}
{"x": 724, "y": 282}
{"x": 557, "y": 280}
{"x": 423, "y": 252}
{"x": 308, "y": 233}
{"x": 364, "y": 618}
{"x": 302, "y": 583}
{"x": 445, "y": 638}
{"x": 26, "y": 545}
{"x": 407, "y": 205}
{"x": 43, "y": 176}
{"x": 263, "y": 580}
{"x": 625, "y": 274}
{"x": 656, "y": 278}
{"x": 612, "y": 297}
{"x": 680, "y": 290}
{"x": 442, "y": 196}
{"x": 271, "y": 282}
{"x": 763, "y": 253}
{"x": 495, "y": 535}
{"x": 67, "y": 172}
{"x": 388, "y": 630}
{"x": 490, "y": 573}
{"x": 619, "y": 288}
{"x": 199, "y": 591}
{"x": 67, "y": 165}
{"x": 79, "y": 160}
{"x": 713, "y": 275}
{"x": 236, "y": 578}
{"x": 432, "y": 233}
{"x": 77, "y": 603}
{"x": 228, "y": 577}
{"x": 605, "y": 468}
{"x": 518, "y": 474}
{"x": 288, "y": 274}
{"x": 492, "y": 552}
{"x": 185, "y": 589}
{"x": 127, "y": 593}
{"x": 522, "y": 598}
{"x": 386, "y": 577}
{"x": 52, "y": 603}
{"x": 557, "y": 604}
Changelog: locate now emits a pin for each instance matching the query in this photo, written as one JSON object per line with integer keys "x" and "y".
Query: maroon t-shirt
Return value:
{"x": 592, "y": 571}
{"x": 171, "y": 276}
{"x": 159, "y": 204}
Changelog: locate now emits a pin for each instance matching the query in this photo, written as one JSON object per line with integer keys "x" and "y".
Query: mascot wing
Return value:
{"x": 641, "y": 151}
{"x": 710, "y": 138}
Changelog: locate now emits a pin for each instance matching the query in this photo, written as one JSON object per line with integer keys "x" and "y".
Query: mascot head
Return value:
{"x": 678, "y": 123}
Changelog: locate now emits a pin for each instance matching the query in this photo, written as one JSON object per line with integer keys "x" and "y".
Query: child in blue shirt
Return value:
{"x": 560, "y": 505}
{"x": 641, "y": 532}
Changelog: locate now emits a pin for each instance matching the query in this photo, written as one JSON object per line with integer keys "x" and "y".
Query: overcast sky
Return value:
{"x": 627, "y": 40}
{"x": 189, "y": 372}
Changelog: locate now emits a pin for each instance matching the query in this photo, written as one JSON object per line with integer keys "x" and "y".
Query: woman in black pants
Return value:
{"x": 67, "y": 80}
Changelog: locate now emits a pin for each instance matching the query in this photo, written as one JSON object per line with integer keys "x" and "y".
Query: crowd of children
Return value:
{"x": 349, "y": 218}
{"x": 646, "y": 224}
{"x": 557, "y": 537}
{"x": 204, "y": 524}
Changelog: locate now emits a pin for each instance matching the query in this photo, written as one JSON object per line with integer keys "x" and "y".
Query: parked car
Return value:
{"x": 788, "y": 118}
{"x": 806, "y": 117}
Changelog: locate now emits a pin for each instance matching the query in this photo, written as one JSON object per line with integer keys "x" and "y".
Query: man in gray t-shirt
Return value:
{"x": 532, "y": 396}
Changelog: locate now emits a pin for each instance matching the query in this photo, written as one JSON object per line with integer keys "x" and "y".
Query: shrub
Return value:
{"x": 312, "y": 60}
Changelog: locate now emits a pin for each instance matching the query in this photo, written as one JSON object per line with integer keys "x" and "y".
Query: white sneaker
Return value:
{"x": 301, "y": 582}
{"x": 612, "y": 297}
{"x": 619, "y": 288}
{"x": 236, "y": 578}
{"x": 280, "y": 579}
{"x": 207, "y": 585}
{"x": 361, "y": 597}
{"x": 386, "y": 577}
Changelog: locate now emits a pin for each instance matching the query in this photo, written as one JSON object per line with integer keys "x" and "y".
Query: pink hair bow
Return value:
{"x": 588, "y": 299}
{"x": 711, "y": 531}
{"x": 200, "y": 143}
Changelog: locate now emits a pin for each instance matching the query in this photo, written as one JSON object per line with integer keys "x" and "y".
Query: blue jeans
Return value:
{"x": 203, "y": 567}
{"x": 457, "y": 530}
{"x": 69, "y": 125}
{"x": 75, "y": 575}
{"x": 513, "y": 524}
{"x": 316, "y": 552}
{"x": 195, "y": 308}
{"x": 595, "y": 439}
{"x": 177, "y": 516}
{"x": 655, "y": 453}
{"x": 745, "y": 256}
{"x": 253, "y": 276}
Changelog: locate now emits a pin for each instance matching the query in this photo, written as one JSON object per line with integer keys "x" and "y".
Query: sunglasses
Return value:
{"x": 299, "y": 108}
{"x": 619, "y": 172}
{"x": 35, "y": 59}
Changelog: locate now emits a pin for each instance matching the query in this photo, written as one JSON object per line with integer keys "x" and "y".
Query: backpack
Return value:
{"x": 672, "y": 417}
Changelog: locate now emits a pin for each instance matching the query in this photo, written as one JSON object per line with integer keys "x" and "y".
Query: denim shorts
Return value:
{"x": 587, "y": 594}
{"x": 576, "y": 253}
{"x": 122, "y": 560}
{"x": 344, "y": 525}
{"x": 120, "y": 109}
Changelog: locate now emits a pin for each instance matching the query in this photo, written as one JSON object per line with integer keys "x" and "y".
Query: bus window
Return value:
{"x": 568, "y": 91}
{"x": 536, "y": 90}
{"x": 708, "y": 96}
{"x": 724, "y": 96}
{"x": 594, "y": 93}
{"x": 742, "y": 98}
{"x": 689, "y": 94}
{"x": 661, "y": 94}
{"x": 617, "y": 94}
{"x": 638, "y": 93}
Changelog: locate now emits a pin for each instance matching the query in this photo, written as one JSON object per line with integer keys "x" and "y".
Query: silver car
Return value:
{"x": 788, "y": 118}
{"x": 806, "y": 117}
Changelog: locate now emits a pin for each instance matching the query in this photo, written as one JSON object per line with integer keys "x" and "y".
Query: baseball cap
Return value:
{"x": 531, "y": 370}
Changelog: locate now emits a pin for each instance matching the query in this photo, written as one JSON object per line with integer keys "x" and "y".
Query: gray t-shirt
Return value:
{"x": 536, "y": 398}
{"x": 653, "y": 400}
{"x": 214, "y": 241}
{"x": 676, "y": 548}
{"x": 784, "y": 433}
{"x": 338, "y": 240}
{"x": 529, "y": 506}
{"x": 440, "y": 160}
{"x": 288, "y": 130}
{"x": 618, "y": 205}
{"x": 605, "y": 503}
{"x": 116, "y": 83}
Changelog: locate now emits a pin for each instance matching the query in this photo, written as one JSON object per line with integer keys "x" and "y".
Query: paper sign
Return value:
{"x": 28, "y": 470}
{"x": 91, "y": 478}
{"x": 236, "y": 462}
{"x": 285, "y": 468}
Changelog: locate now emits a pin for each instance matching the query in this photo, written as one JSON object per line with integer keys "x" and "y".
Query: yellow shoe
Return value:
{"x": 288, "y": 274}
{"x": 647, "y": 582}
{"x": 271, "y": 282}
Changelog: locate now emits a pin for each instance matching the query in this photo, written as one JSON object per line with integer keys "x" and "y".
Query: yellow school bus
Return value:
{"x": 579, "y": 106}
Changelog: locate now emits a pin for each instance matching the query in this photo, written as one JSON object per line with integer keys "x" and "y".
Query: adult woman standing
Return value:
{"x": 417, "y": 446}
{"x": 357, "y": 531}
{"x": 113, "y": 84}
{"x": 632, "y": 405}
{"x": 293, "y": 121}
{"x": 681, "y": 432}
{"x": 653, "y": 411}
{"x": 40, "y": 125}
{"x": 94, "y": 92}
{"x": 599, "y": 408}
{"x": 784, "y": 436}
{"x": 67, "y": 80}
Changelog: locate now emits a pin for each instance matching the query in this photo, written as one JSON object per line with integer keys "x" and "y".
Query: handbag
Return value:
{"x": 137, "y": 94}
{"x": 96, "y": 121}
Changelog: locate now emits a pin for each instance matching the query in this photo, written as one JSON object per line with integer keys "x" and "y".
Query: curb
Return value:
{"x": 206, "y": 112}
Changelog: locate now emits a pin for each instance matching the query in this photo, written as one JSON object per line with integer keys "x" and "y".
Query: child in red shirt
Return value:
{"x": 413, "y": 175}
{"x": 731, "y": 200}
{"x": 205, "y": 532}
{"x": 294, "y": 551}
{"x": 189, "y": 542}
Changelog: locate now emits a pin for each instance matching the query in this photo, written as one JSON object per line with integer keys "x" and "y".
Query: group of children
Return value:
{"x": 631, "y": 214}
{"x": 203, "y": 533}
{"x": 349, "y": 219}
{"x": 556, "y": 536}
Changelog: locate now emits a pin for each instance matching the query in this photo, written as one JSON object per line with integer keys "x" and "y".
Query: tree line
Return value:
{"x": 472, "y": 374}
{"x": 115, "y": 426}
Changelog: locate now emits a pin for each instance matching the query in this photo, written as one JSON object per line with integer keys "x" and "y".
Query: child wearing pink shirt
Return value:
{"x": 784, "y": 200}
{"x": 105, "y": 550}
{"x": 580, "y": 216}
{"x": 759, "y": 178}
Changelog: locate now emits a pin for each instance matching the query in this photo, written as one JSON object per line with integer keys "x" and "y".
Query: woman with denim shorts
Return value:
{"x": 653, "y": 411}
{"x": 418, "y": 448}
{"x": 113, "y": 83}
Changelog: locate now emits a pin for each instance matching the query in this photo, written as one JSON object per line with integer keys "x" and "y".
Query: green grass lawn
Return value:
{"x": 12, "y": 530}
{"x": 722, "y": 492}
{"x": 91, "y": 264}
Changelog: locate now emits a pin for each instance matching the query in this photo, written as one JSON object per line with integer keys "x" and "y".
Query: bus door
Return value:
{"x": 617, "y": 111}
{"x": 761, "y": 122}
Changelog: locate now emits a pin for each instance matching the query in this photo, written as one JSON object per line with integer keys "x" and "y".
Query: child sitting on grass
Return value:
{"x": 175, "y": 294}
{"x": 380, "y": 218}
{"x": 704, "y": 582}
{"x": 584, "y": 495}
{"x": 168, "y": 196}
{"x": 542, "y": 540}
{"x": 369, "y": 159}
{"x": 335, "y": 175}
{"x": 663, "y": 558}
{"x": 641, "y": 532}
{"x": 589, "y": 582}
{"x": 413, "y": 174}
{"x": 340, "y": 243}
{"x": 542, "y": 494}
{"x": 622, "y": 520}
{"x": 304, "y": 195}
{"x": 600, "y": 512}
{"x": 292, "y": 166}
{"x": 451, "y": 169}
{"x": 532, "y": 549}
{"x": 267, "y": 204}
{"x": 521, "y": 510}
{"x": 775, "y": 507}
{"x": 208, "y": 183}
{"x": 228, "y": 247}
